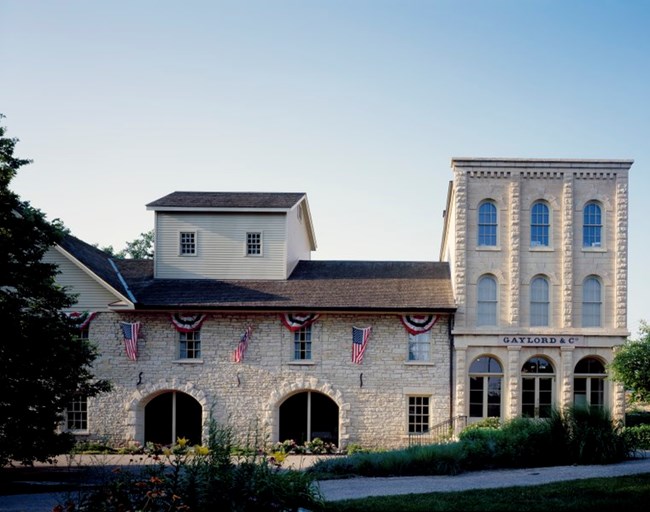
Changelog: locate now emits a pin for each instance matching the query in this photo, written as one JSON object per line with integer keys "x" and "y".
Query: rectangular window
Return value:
{"x": 187, "y": 243}
{"x": 253, "y": 244}
{"x": 418, "y": 414}
{"x": 302, "y": 344}
{"x": 419, "y": 346}
{"x": 190, "y": 345}
{"x": 76, "y": 414}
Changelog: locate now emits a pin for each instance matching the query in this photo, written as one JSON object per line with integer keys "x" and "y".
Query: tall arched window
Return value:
{"x": 589, "y": 383}
{"x": 537, "y": 377}
{"x": 539, "y": 225}
{"x": 592, "y": 225}
{"x": 487, "y": 301}
{"x": 487, "y": 224}
{"x": 539, "y": 302}
{"x": 485, "y": 379}
{"x": 591, "y": 302}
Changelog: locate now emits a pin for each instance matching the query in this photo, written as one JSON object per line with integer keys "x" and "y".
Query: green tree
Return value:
{"x": 43, "y": 365}
{"x": 140, "y": 249}
{"x": 631, "y": 365}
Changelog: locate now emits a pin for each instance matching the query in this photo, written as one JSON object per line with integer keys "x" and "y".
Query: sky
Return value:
{"x": 361, "y": 104}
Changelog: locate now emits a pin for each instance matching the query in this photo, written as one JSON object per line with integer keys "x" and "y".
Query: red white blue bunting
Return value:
{"x": 81, "y": 320}
{"x": 295, "y": 321}
{"x": 187, "y": 323}
{"x": 417, "y": 324}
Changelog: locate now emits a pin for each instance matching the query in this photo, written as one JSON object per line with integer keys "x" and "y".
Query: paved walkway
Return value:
{"x": 334, "y": 490}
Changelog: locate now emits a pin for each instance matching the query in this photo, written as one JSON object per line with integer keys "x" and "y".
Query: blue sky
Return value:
{"x": 360, "y": 104}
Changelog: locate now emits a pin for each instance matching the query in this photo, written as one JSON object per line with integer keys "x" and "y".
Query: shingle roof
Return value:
{"x": 246, "y": 200}
{"x": 314, "y": 286}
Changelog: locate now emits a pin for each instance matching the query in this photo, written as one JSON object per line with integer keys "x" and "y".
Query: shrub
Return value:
{"x": 637, "y": 437}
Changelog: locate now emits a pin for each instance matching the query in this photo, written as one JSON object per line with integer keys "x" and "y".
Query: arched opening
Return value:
{"x": 308, "y": 415}
{"x": 485, "y": 382}
{"x": 589, "y": 383}
{"x": 537, "y": 393}
{"x": 170, "y": 416}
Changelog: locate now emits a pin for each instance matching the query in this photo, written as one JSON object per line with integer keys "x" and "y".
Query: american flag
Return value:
{"x": 131, "y": 332}
{"x": 359, "y": 342}
{"x": 243, "y": 344}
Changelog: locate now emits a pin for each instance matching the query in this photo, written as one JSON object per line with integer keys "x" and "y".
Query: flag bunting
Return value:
{"x": 359, "y": 342}
{"x": 295, "y": 321}
{"x": 243, "y": 344}
{"x": 417, "y": 324}
{"x": 131, "y": 332}
{"x": 81, "y": 320}
{"x": 187, "y": 323}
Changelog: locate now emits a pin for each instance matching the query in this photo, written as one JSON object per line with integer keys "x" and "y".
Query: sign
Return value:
{"x": 550, "y": 341}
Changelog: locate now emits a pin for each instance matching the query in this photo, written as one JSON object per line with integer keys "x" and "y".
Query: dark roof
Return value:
{"x": 314, "y": 286}
{"x": 95, "y": 259}
{"x": 253, "y": 200}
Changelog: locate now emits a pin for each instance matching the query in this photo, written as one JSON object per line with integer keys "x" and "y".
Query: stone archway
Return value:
{"x": 140, "y": 399}
{"x": 271, "y": 409}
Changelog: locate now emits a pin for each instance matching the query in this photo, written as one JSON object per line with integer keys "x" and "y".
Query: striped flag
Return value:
{"x": 359, "y": 342}
{"x": 243, "y": 344}
{"x": 131, "y": 332}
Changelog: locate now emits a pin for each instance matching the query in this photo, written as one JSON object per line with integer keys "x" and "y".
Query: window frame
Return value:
{"x": 419, "y": 347}
{"x": 302, "y": 344}
{"x": 487, "y": 225}
{"x": 539, "y": 380}
{"x": 485, "y": 377}
{"x": 483, "y": 302}
{"x": 592, "y": 305}
{"x": 540, "y": 225}
{"x": 182, "y": 244}
{"x": 76, "y": 415}
{"x": 592, "y": 226}
{"x": 189, "y": 345}
{"x": 590, "y": 379}
{"x": 539, "y": 304}
{"x": 256, "y": 246}
{"x": 418, "y": 414}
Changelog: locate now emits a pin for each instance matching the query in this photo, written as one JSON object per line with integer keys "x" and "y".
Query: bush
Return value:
{"x": 637, "y": 437}
{"x": 202, "y": 479}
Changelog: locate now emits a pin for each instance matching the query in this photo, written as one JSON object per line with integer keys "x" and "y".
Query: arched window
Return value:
{"x": 485, "y": 380}
{"x": 487, "y": 301}
{"x": 589, "y": 383}
{"x": 537, "y": 377}
{"x": 539, "y": 302}
{"x": 591, "y": 302}
{"x": 592, "y": 225}
{"x": 539, "y": 225}
{"x": 487, "y": 224}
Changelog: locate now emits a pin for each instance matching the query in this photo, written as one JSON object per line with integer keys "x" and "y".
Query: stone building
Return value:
{"x": 538, "y": 256}
{"x": 235, "y": 322}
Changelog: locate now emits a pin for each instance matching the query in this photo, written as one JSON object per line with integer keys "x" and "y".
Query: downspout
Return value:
{"x": 451, "y": 366}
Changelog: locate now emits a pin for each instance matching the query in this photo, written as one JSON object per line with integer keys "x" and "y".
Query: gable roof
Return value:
{"x": 98, "y": 263}
{"x": 228, "y": 201}
{"x": 359, "y": 286}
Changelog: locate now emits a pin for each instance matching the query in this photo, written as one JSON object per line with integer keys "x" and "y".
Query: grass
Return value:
{"x": 628, "y": 493}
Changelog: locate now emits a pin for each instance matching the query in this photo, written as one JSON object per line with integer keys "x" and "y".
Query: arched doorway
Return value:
{"x": 537, "y": 393}
{"x": 589, "y": 383}
{"x": 485, "y": 382}
{"x": 308, "y": 415}
{"x": 172, "y": 415}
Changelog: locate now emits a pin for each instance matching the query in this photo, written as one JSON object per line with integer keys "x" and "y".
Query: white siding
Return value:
{"x": 298, "y": 246}
{"x": 221, "y": 246}
{"x": 92, "y": 296}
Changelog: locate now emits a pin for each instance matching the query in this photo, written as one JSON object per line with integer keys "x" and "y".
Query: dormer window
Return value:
{"x": 254, "y": 244}
{"x": 187, "y": 243}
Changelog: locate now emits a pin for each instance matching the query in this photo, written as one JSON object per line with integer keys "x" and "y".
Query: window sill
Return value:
{"x": 78, "y": 432}
{"x": 488, "y": 248}
{"x": 301, "y": 362}
{"x": 418, "y": 363}
{"x": 188, "y": 361}
{"x": 594, "y": 249}
{"x": 543, "y": 248}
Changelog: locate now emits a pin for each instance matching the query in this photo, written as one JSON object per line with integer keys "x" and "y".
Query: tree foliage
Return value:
{"x": 140, "y": 248}
{"x": 43, "y": 364}
{"x": 631, "y": 365}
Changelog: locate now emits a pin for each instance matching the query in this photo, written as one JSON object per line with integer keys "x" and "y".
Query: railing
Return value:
{"x": 445, "y": 431}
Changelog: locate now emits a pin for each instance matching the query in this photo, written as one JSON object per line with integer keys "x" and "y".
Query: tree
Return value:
{"x": 631, "y": 365}
{"x": 140, "y": 249}
{"x": 43, "y": 364}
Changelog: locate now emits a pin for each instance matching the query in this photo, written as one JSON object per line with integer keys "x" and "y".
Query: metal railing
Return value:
{"x": 445, "y": 431}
